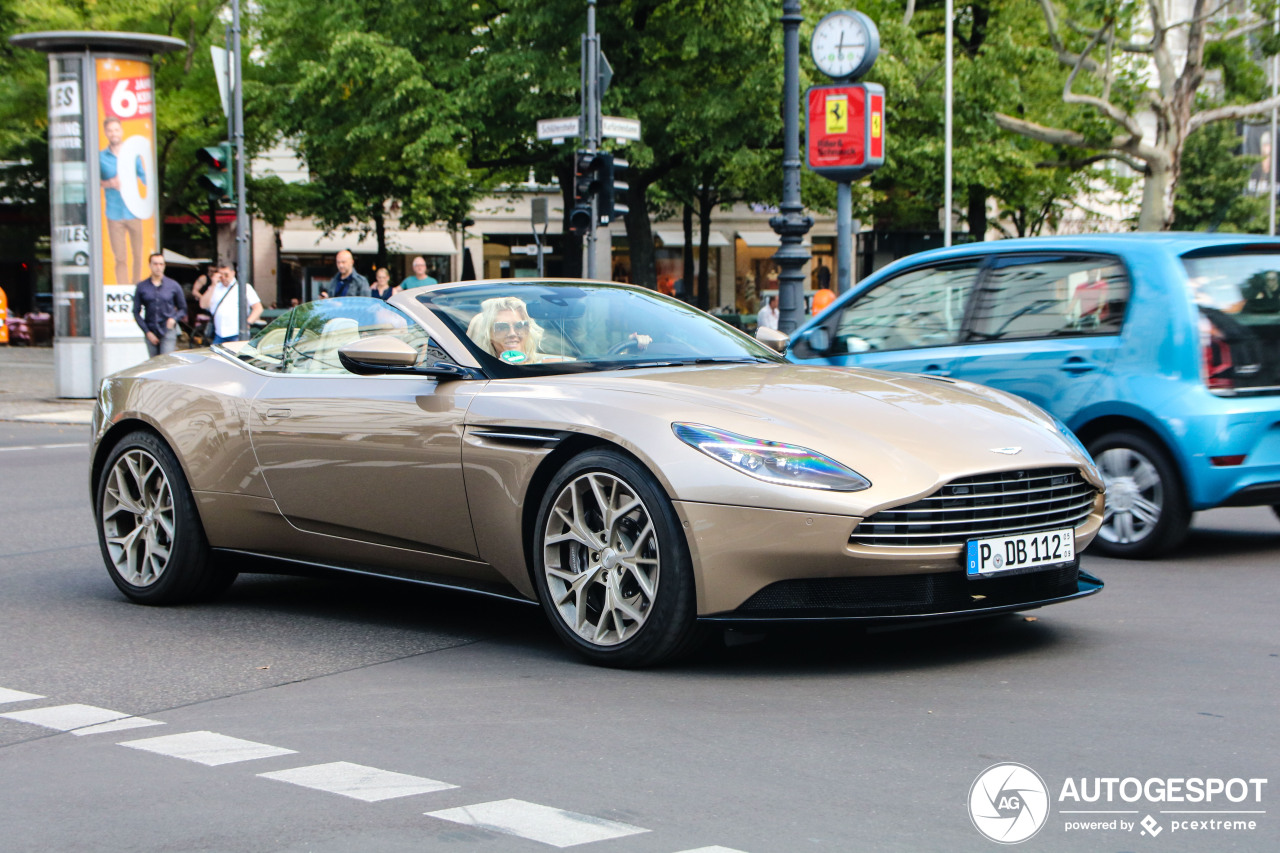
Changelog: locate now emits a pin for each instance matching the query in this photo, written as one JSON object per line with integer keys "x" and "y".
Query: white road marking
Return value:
{"x": 73, "y": 416}
{"x": 715, "y": 849}
{"x": 7, "y": 696}
{"x": 208, "y": 748}
{"x": 357, "y": 781}
{"x": 64, "y": 718}
{"x": 117, "y": 726}
{"x": 552, "y": 826}
{"x": 81, "y": 445}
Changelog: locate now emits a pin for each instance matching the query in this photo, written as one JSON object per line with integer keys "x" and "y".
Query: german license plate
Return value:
{"x": 1012, "y": 553}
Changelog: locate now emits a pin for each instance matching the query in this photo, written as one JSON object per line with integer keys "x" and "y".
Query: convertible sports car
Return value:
{"x": 638, "y": 467}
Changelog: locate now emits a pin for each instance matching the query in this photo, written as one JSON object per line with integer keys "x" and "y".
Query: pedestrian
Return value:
{"x": 347, "y": 282}
{"x": 382, "y": 284}
{"x": 222, "y": 301}
{"x": 823, "y": 276}
{"x": 158, "y": 306}
{"x": 419, "y": 277}
{"x": 768, "y": 316}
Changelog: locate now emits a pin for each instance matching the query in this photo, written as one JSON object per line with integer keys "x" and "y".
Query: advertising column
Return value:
{"x": 103, "y": 196}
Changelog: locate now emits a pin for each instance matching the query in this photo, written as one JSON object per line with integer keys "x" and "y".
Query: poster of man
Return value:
{"x": 126, "y": 168}
{"x": 128, "y": 184}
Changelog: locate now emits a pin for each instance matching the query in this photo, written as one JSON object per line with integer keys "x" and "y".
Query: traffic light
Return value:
{"x": 217, "y": 180}
{"x": 585, "y": 185}
{"x": 613, "y": 190}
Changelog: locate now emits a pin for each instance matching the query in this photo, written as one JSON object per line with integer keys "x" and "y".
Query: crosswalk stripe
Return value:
{"x": 64, "y": 718}
{"x": 358, "y": 781}
{"x": 556, "y": 827}
{"x": 7, "y": 696}
{"x": 208, "y": 748}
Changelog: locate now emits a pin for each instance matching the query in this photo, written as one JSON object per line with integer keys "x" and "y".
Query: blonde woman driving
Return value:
{"x": 505, "y": 330}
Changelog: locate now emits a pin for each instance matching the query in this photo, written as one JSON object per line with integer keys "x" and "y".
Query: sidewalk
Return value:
{"x": 27, "y": 389}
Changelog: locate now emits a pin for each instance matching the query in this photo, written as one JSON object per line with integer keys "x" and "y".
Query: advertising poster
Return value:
{"x": 128, "y": 185}
{"x": 69, "y": 239}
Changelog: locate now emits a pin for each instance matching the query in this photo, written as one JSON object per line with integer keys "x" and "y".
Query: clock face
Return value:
{"x": 845, "y": 44}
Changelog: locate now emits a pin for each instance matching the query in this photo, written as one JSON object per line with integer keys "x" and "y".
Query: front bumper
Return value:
{"x": 933, "y": 597}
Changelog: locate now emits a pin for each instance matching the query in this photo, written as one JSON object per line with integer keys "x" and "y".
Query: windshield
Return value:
{"x": 519, "y": 329}
{"x": 1239, "y": 297}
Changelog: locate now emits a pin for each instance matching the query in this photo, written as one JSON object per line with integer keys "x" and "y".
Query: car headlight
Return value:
{"x": 772, "y": 461}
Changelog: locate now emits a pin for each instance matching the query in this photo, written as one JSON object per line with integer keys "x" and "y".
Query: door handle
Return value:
{"x": 935, "y": 370}
{"x": 276, "y": 414}
{"x": 1076, "y": 364}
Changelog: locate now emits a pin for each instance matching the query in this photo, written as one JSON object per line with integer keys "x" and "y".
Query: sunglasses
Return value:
{"x": 519, "y": 327}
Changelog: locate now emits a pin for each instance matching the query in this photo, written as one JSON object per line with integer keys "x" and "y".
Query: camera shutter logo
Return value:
{"x": 1008, "y": 803}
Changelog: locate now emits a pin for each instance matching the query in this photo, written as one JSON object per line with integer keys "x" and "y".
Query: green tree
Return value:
{"x": 1127, "y": 60}
{"x": 372, "y": 97}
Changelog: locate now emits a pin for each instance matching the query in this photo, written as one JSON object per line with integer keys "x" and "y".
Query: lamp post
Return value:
{"x": 792, "y": 223}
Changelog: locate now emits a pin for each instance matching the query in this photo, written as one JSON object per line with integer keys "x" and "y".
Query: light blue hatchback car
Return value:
{"x": 1161, "y": 352}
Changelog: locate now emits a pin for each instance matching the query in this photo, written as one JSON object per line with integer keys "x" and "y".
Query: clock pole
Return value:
{"x": 791, "y": 224}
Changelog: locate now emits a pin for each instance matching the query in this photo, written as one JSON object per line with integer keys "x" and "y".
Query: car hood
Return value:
{"x": 883, "y": 425}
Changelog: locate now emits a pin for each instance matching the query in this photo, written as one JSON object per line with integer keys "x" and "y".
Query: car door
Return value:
{"x": 910, "y": 322}
{"x": 368, "y": 458}
{"x": 1046, "y": 327}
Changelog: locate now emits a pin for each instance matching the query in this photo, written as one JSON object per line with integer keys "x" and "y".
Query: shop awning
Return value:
{"x": 177, "y": 259}
{"x": 302, "y": 241}
{"x": 760, "y": 238}
{"x": 675, "y": 239}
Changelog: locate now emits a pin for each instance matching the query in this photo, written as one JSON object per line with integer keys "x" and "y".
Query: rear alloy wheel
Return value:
{"x": 611, "y": 563}
{"x": 148, "y": 529}
{"x": 1146, "y": 514}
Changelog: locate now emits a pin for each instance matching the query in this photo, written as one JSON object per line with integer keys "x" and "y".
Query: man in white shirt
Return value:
{"x": 768, "y": 316}
{"x": 222, "y": 300}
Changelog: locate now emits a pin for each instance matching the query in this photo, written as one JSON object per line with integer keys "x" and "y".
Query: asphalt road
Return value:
{"x": 811, "y": 740}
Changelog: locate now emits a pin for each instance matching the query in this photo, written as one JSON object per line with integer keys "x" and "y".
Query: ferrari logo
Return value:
{"x": 875, "y": 125}
{"x": 837, "y": 114}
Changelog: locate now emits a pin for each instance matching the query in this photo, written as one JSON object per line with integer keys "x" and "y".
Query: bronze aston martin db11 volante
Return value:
{"x": 638, "y": 467}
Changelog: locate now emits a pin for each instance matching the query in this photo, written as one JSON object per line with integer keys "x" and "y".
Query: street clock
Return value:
{"x": 845, "y": 44}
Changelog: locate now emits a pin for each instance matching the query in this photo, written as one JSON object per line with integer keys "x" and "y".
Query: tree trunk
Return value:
{"x": 644, "y": 270}
{"x": 685, "y": 290}
{"x": 380, "y": 229}
{"x": 706, "y": 206}
{"x": 1157, "y": 194}
{"x": 978, "y": 211}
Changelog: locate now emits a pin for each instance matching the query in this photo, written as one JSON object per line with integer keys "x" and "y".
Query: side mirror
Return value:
{"x": 382, "y": 354}
{"x": 374, "y": 353}
{"x": 818, "y": 339}
{"x": 772, "y": 338}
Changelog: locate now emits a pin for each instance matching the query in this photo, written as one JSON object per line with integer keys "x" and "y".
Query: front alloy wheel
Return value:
{"x": 611, "y": 564}
{"x": 1146, "y": 513}
{"x": 137, "y": 518}
{"x": 601, "y": 558}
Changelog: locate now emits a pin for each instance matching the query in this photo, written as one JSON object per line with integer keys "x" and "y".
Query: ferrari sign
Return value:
{"x": 846, "y": 130}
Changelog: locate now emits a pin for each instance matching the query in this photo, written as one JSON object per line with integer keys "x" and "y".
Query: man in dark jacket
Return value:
{"x": 347, "y": 282}
{"x": 158, "y": 306}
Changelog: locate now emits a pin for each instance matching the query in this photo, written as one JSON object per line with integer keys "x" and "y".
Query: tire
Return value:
{"x": 618, "y": 588}
{"x": 148, "y": 528}
{"x": 1147, "y": 514}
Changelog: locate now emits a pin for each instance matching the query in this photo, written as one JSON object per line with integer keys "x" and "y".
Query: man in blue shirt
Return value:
{"x": 121, "y": 223}
{"x": 158, "y": 306}
{"x": 347, "y": 282}
{"x": 419, "y": 277}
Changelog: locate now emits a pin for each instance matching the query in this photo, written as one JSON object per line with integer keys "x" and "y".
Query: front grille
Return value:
{"x": 986, "y": 505}
{"x": 904, "y": 595}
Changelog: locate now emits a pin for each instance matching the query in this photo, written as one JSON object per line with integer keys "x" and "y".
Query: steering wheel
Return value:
{"x": 628, "y": 347}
